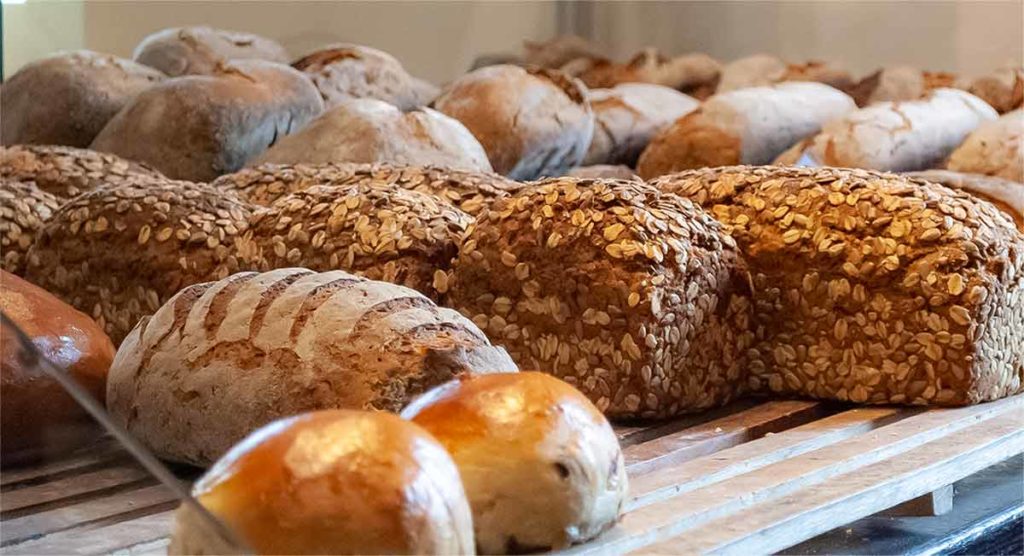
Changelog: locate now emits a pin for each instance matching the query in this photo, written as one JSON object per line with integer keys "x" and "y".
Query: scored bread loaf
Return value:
{"x": 760, "y": 70}
{"x": 635, "y": 297}
{"x": 899, "y": 83}
{"x": 695, "y": 74}
{"x": 67, "y": 172}
{"x": 748, "y": 126}
{"x": 1006, "y": 194}
{"x": 995, "y": 148}
{"x": 24, "y": 209}
{"x": 1002, "y": 89}
{"x": 199, "y": 50}
{"x": 558, "y": 51}
{"x": 342, "y": 72}
{"x": 221, "y": 359}
{"x": 871, "y": 287}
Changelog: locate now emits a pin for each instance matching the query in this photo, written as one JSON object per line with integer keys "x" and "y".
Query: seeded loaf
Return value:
{"x": 201, "y": 126}
{"x": 871, "y": 287}
{"x": 221, "y": 359}
{"x": 199, "y": 50}
{"x": 24, "y": 208}
{"x": 368, "y": 131}
{"x": 627, "y": 116}
{"x": 342, "y": 72}
{"x": 382, "y": 232}
{"x": 761, "y": 70}
{"x": 750, "y": 126}
{"x": 118, "y": 253}
{"x": 899, "y": 83}
{"x": 531, "y": 122}
{"x": 67, "y": 98}
{"x": 1006, "y": 194}
{"x": 1002, "y": 89}
{"x": 995, "y": 148}
{"x": 635, "y": 297}
{"x": 67, "y": 172}
{"x": 598, "y": 171}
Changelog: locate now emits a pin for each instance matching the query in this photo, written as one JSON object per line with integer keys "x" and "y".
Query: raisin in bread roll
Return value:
{"x": 870, "y": 287}
{"x": 198, "y": 50}
{"x": 995, "y": 148}
{"x": 24, "y": 209}
{"x": 635, "y": 297}
{"x": 221, "y": 359}
{"x": 67, "y": 172}
{"x": 342, "y": 72}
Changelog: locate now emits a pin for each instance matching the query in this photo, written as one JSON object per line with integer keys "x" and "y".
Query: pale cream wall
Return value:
{"x": 33, "y": 30}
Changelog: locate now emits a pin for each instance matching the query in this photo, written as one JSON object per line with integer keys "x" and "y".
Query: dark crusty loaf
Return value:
{"x": 118, "y": 253}
{"x": 199, "y": 50}
{"x": 870, "y": 287}
{"x": 223, "y": 358}
{"x": 343, "y": 72}
{"x": 24, "y": 208}
{"x": 382, "y": 232}
{"x": 633, "y": 296}
{"x": 67, "y": 172}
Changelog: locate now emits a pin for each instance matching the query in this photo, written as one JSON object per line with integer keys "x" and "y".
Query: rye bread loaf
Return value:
{"x": 342, "y": 72}
{"x": 627, "y": 116}
{"x": 67, "y": 98}
{"x": 761, "y": 70}
{"x": 118, "y": 253}
{"x": 221, "y": 359}
{"x": 24, "y": 208}
{"x": 372, "y": 131}
{"x": 1002, "y": 89}
{"x": 899, "y": 83}
{"x": 1006, "y": 194}
{"x": 199, "y": 50}
{"x": 995, "y": 148}
{"x": 871, "y": 287}
{"x": 635, "y": 297}
{"x": 748, "y": 126}
{"x": 531, "y": 122}
{"x": 378, "y": 231}
{"x": 201, "y": 126}
{"x": 695, "y": 74}
{"x": 67, "y": 172}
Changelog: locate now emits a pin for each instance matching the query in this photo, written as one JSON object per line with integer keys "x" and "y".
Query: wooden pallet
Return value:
{"x": 747, "y": 479}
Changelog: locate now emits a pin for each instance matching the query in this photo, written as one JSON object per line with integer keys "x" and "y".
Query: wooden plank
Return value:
{"x": 98, "y": 540}
{"x": 149, "y": 548}
{"x": 636, "y": 433}
{"x": 777, "y": 524}
{"x": 104, "y": 451}
{"x": 936, "y": 502}
{"x": 93, "y": 482}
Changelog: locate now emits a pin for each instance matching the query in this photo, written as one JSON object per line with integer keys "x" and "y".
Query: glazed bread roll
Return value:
{"x": 750, "y": 126}
{"x": 373, "y": 131}
{"x": 1005, "y": 194}
{"x": 540, "y": 478}
{"x": 67, "y": 98}
{"x": 200, "y": 50}
{"x": 67, "y": 172}
{"x": 201, "y": 126}
{"x": 531, "y": 122}
{"x": 1002, "y": 89}
{"x": 761, "y": 70}
{"x": 995, "y": 148}
{"x": 627, "y": 116}
{"x": 870, "y": 287}
{"x": 342, "y": 72}
{"x": 24, "y": 209}
{"x": 39, "y": 419}
{"x": 899, "y": 83}
{"x": 221, "y": 359}
{"x": 333, "y": 482}
{"x": 894, "y": 136}
{"x": 634, "y": 297}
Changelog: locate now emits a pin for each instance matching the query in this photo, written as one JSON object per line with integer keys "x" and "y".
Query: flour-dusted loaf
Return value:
{"x": 24, "y": 208}
{"x": 342, "y": 72}
{"x": 67, "y": 172}
{"x": 763, "y": 69}
{"x": 995, "y": 148}
{"x": 1002, "y": 89}
{"x": 221, "y": 359}
{"x": 199, "y": 50}
{"x": 635, "y": 297}
{"x": 118, "y": 253}
{"x": 899, "y": 83}
{"x": 1006, "y": 194}
{"x": 749, "y": 126}
{"x": 695, "y": 74}
{"x": 379, "y": 231}
{"x": 872, "y": 287}
{"x": 67, "y": 98}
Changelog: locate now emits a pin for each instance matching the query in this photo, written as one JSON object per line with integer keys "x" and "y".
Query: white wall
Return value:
{"x": 33, "y": 30}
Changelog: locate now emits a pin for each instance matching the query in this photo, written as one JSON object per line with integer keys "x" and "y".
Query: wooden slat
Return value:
{"x": 99, "y": 540}
{"x": 97, "y": 481}
{"x": 103, "y": 452}
{"x": 936, "y": 502}
{"x": 637, "y": 433}
{"x": 149, "y": 548}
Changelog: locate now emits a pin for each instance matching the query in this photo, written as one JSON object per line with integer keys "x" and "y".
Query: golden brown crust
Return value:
{"x": 1003, "y": 89}
{"x": 24, "y": 209}
{"x": 67, "y": 172}
{"x": 346, "y": 71}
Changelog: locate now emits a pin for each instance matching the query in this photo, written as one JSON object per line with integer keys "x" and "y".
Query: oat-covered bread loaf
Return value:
{"x": 367, "y": 130}
{"x": 24, "y": 208}
{"x": 871, "y": 287}
{"x": 221, "y": 359}
{"x": 1006, "y": 194}
{"x": 342, "y": 72}
{"x": 995, "y": 148}
{"x": 201, "y": 126}
{"x": 67, "y": 98}
{"x": 531, "y": 122}
{"x": 67, "y": 172}
{"x": 635, "y": 297}
{"x": 1002, "y": 89}
{"x": 119, "y": 253}
{"x": 607, "y": 171}
{"x": 749, "y": 126}
{"x": 627, "y": 116}
{"x": 379, "y": 231}
{"x": 760, "y": 70}
{"x": 898, "y": 83}
{"x": 199, "y": 50}
{"x": 695, "y": 74}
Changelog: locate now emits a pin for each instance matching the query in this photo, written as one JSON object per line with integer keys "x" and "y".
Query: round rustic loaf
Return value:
{"x": 119, "y": 253}
{"x": 627, "y": 116}
{"x": 899, "y": 83}
{"x": 369, "y": 131}
{"x": 531, "y": 122}
{"x": 694, "y": 74}
{"x": 67, "y": 172}
{"x": 558, "y": 51}
{"x": 200, "y": 50}
{"x": 870, "y": 287}
{"x": 635, "y": 297}
{"x": 540, "y": 478}
{"x": 67, "y": 98}
{"x": 1002, "y": 89}
{"x": 24, "y": 208}
{"x": 995, "y": 148}
{"x": 221, "y": 359}
{"x": 342, "y": 72}
{"x": 761, "y": 70}
{"x": 382, "y": 232}
{"x": 333, "y": 482}
{"x": 1006, "y": 194}
{"x": 201, "y": 126}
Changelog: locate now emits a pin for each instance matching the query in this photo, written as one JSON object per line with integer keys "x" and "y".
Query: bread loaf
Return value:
{"x": 1005, "y": 194}
{"x": 627, "y": 116}
{"x": 67, "y": 98}
{"x": 634, "y": 297}
{"x": 24, "y": 208}
{"x": 750, "y": 126}
{"x": 761, "y": 70}
{"x": 995, "y": 148}
{"x": 894, "y": 136}
{"x": 201, "y": 126}
{"x": 870, "y": 287}
{"x": 1002, "y": 89}
{"x": 118, "y": 253}
{"x": 694, "y": 74}
{"x": 382, "y": 232}
{"x": 67, "y": 172}
{"x": 531, "y": 122}
{"x": 371, "y": 131}
{"x": 221, "y": 359}
{"x": 199, "y": 50}
{"x": 560, "y": 50}
{"x": 342, "y": 72}
{"x": 899, "y": 83}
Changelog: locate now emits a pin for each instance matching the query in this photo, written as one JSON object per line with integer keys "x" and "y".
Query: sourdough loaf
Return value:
{"x": 24, "y": 208}
{"x": 627, "y": 116}
{"x": 761, "y": 70}
{"x": 1002, "y": 89}
{"x": 67, "y": 172}
{"x": 1006, "y": 194}
{"x": 221, "y": 359}
{"x": 995, "y": 148}
{"x": 899, "y": 83}
{"x": 342, "y": 72}
{"x": 870, "y": 287}
{"x": 695, "y": 74}
{"x": 199, "y": 50}
{"x": 558, "y": 51}
{"x": 635, "y": 297}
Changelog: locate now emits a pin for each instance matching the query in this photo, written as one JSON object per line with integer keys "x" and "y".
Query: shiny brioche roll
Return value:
{"x": 540, "y": 464}
{"x": 333, "y": 482}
